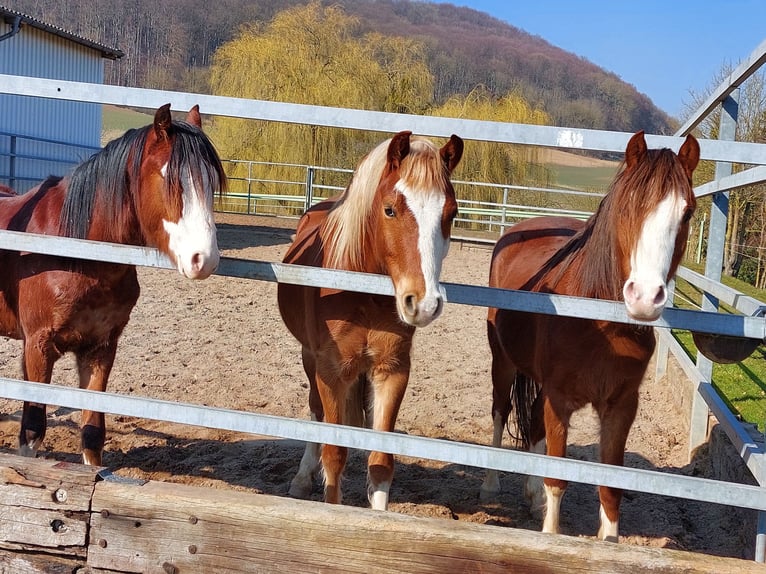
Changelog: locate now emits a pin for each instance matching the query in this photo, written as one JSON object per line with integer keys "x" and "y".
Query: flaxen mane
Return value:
{"x": 345, "y": 230}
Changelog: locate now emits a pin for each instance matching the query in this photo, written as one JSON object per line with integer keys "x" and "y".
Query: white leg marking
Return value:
{"x": 553, "y": 496}
{"x": 608, "y": 530}
{"x": 379, "y": 496}
{"x": 303, "y": 482}
{"x": 533, "y": 486}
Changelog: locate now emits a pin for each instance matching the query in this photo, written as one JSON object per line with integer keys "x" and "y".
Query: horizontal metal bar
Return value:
{"x": 701, "y": 321}
{"x": 741, "y": 73}
{"x": 502, "y": 132}
{"x": 700, "y": 489}
{"x": 731, "y": 297}
{"x": 83, "y": 249}
{"x": 752, "y": 176}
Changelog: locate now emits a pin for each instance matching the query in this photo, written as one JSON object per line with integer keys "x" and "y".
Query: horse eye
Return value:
{"x": 389, "y": 211}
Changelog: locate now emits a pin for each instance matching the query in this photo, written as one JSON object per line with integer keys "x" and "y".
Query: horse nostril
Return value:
{"x": 439, "y": 305}
{"x": 411, "y": 304}
{"x": 197, "y": 261}
{"x": 661, "y": 296}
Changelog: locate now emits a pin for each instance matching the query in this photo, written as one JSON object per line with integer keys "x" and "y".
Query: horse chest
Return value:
{"x": 76, "y": 307}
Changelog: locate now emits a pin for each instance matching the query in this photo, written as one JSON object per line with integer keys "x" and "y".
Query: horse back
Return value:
{"x": 523, "y": 250}
{"x": 36, "y": 211}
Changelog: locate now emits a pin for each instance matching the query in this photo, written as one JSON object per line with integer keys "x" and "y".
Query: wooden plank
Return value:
{"x": 16, "y": 563}
{"x": 163, "y": 527}
{"x": 45, "y": 505}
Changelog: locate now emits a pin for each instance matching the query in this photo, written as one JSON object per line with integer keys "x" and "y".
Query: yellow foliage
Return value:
{"x": 493, "y": 162}
{"x": 315, "y": 54}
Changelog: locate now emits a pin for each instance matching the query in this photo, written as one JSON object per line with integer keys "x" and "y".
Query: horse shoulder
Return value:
{"x": 526, "y": 246}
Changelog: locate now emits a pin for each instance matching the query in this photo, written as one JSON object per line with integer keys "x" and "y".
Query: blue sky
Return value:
{"x": 664, "y": 48}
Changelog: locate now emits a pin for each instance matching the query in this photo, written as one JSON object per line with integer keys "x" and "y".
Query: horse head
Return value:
{"x": 656, "y": 205}
{"x": 179, "y": 174}
{"x": 413, "y": 211}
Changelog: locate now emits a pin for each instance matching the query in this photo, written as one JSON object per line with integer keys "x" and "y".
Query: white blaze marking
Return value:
{"x": 194, "y": 233}
{"x": 654, "y": 250}
{"x": 432, "y": 245}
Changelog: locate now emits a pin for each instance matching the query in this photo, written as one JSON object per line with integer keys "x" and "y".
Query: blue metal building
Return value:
{"x": 29, "y": 126}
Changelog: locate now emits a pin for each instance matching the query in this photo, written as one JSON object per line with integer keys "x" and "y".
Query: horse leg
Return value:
{"x": 333, "y": 396}
{"x": 39, "y": 355}
{"x": 93, "y": 368}
{"x": 303, "y": 482}
{"x": 616, "y": 417}
{"x": 387, "y": 395}
{"x": 503, "y": 375}
{"x": 556, "y": 428}
{"x": 534, "y": 490}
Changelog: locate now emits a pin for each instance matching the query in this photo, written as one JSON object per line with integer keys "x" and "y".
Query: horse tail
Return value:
{"x": 524, "y": 391}
{"x": 356, "y": 412}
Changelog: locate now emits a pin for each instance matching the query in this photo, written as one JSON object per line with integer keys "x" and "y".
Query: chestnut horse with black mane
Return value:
{"x": 394, "y": 219}
{"x": 627, "y": 251}
{"x": 153, "y": 187}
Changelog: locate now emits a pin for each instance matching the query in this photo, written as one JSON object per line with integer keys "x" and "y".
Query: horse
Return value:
{"x": 394, "y": 219}
{"x": 154, "y": 186}
{"x": 545, "y": 367}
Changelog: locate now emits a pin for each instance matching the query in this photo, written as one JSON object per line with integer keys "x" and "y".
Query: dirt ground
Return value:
{"x": 221, "y": 342}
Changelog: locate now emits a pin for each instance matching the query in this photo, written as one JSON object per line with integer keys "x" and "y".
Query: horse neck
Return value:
{"x": 593, "y": 257}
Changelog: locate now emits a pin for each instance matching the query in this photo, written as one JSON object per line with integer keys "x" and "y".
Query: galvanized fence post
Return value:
{"x": 719, "y": 211}
{"x": 309, "y": 186}
{"x": 249, "y": 185}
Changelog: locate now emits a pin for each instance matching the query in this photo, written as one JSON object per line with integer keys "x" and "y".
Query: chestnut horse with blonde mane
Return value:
{"x": 394, "y": 219}
{"x": 627, "y": 251}
{"x": 154, "y": 186}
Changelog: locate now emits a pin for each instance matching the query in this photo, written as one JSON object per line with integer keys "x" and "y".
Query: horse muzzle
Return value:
{"x": 644, "y": 300}
{"x": 198, "y": 265}
{"x": 419, "y": 312}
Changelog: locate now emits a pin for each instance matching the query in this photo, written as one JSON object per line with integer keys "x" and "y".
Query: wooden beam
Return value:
{"x": 45, "y": 505}
{"x": 172, "y": 528}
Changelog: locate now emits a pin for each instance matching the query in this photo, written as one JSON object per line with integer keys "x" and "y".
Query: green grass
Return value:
{"x": 583, "y": 178}
{"x": 741, "y": 385}
{"x": 116, "y": 121}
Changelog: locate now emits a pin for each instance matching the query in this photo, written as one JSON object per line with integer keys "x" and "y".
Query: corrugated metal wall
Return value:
{"x": 36, "y": 53}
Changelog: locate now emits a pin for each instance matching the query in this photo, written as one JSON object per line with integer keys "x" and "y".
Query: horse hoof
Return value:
{"x": 300, "y": 489}
{"x": 490, "y": 488}
{"x": 28, "y": 451}
{"x": 486, "y": 495}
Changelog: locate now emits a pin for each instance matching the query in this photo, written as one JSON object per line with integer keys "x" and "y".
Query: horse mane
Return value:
{"x": 631, "y": 196}
{"x": 345, "y": 230}
{"x": 113, "y": 174}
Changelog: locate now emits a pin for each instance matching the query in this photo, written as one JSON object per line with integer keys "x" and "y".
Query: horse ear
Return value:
{"x": 636, "y": 149}
{"x": 689, "y": 154}
{"x": 193, "y": 117}
{"x": 162, "y": 121}
{"x": 398, "y": 149}
{"x": 452, "y": 152}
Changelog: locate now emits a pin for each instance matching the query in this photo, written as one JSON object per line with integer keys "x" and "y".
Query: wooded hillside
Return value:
{"x": 170, "y": 45}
